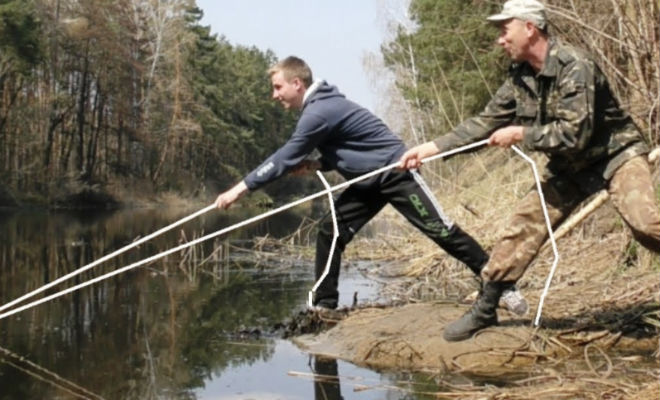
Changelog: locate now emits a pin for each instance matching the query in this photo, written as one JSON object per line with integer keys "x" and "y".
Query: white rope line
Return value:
{"x": 550, "y": 232}
{"x": 545, "y": 214}
{"x": 244, "y": 223}
{"x": 335, "y": 235}
{"x": 199, "y": 240}
{"x": 194, "y": 242}
{"x": 107, "y": 257}
{"x": 212, "y": 235}
{"x": 456, "y": 150}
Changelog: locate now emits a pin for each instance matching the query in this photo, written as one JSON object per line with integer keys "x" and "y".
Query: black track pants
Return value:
{"x": 407, "y": 192}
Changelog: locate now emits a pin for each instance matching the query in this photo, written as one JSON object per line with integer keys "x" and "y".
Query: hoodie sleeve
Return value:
{"x": 310, "y": 130}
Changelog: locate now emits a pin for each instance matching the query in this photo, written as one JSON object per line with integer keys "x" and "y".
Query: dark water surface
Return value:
{"x": 173, "y": 329}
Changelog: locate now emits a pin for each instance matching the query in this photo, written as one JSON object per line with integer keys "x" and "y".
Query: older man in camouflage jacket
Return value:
{"x": 555, "y": 100}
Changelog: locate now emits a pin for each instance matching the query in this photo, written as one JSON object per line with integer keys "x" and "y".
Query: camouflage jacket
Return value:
{"x": 568, "y": 112}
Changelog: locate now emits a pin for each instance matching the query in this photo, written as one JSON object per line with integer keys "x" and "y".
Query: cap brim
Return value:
{"x": 499, "y": 17}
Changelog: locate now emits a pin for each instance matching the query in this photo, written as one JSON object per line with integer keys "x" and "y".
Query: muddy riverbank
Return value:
{"x": 598, "y": 337}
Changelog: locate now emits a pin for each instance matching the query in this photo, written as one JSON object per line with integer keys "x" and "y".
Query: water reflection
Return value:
{"x": 326, "y": 380}
{"x": 148, "y": 333}
{"x": 168, "y": 330}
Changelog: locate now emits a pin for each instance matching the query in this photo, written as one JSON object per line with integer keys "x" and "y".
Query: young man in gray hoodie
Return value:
{"x": 353, "y": 141}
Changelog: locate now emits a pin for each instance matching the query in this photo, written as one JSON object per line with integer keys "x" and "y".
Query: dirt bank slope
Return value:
{"x": 410, "y": 337}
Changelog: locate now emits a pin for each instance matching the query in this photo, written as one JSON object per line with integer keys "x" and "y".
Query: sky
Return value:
{"x": 332, "y": 36}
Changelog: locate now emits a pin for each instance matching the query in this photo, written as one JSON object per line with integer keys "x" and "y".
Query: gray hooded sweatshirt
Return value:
{"x": 351, "y": 139}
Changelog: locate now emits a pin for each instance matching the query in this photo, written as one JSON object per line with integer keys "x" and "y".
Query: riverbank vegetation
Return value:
{"x": 105, "y": 101}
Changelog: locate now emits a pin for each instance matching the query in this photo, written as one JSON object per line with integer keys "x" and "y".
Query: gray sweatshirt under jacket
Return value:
{"x": 350, "y": 139}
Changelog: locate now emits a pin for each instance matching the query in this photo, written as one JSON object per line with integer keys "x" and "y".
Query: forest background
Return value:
{"x": 117, "y": 102}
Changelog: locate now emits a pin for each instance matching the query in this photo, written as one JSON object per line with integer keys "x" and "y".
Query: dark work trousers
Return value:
{"x": 408, "y": 193}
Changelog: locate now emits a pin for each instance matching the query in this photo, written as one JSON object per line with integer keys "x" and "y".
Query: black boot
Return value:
{"x": 482, "y": 314}
{"x": 512, "y": 299}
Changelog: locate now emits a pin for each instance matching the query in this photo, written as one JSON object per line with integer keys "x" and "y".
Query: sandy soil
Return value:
{"x": 410, "y": 337}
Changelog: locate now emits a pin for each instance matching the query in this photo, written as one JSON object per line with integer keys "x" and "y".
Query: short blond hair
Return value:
{"x": 293, "y": 67}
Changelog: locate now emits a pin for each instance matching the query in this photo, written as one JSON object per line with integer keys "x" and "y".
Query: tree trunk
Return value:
{"x": 82, "y": 102}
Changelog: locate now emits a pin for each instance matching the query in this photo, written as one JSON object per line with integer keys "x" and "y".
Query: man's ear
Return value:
{"x": 531, "y": 29}
{"x": 299, "y": 85}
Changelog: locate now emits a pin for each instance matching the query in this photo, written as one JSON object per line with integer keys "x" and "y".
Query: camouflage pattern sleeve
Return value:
{"x": 500, "y": 111}
{"x": 567, "y": 120}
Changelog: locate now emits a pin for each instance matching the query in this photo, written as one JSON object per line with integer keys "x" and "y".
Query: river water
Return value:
{"x": 193, "y": 325}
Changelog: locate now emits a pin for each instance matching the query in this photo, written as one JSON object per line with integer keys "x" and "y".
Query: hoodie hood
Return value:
{"x": 320, "y": 90}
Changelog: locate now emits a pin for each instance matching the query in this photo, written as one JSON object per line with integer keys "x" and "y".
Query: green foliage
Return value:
{"x": 20, "y": 32}
{"x": 448, "y": 64}
{"x": 232, "y": 89}
{"x": 125, "y": 97}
